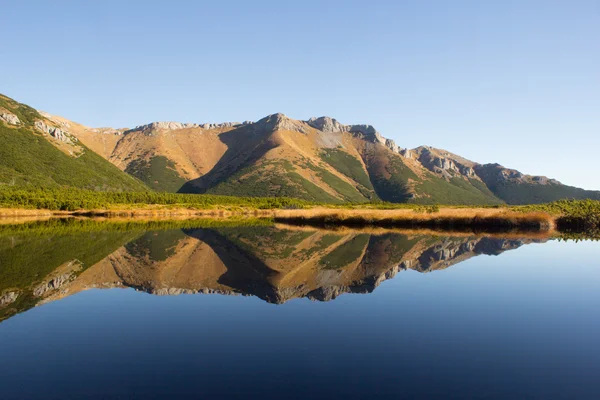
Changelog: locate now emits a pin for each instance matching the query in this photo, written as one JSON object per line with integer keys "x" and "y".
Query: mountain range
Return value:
{"x": 319, "y": 160}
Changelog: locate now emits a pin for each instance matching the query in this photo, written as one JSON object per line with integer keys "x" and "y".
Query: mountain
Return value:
{"x": 319, "y": 159}
{"x": 274, "y": 264}
{"x": 36, "y": 151}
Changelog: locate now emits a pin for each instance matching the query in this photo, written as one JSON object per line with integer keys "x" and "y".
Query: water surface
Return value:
{"x": 272, "y": 312}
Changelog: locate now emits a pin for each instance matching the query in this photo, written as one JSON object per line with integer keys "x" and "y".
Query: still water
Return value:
{"x": 275, "y": 312}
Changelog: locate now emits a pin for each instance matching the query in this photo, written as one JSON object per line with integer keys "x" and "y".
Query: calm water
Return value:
{"x": 262, "y": 312}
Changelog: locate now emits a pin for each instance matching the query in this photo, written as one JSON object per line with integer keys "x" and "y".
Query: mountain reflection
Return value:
{"x": 273, "y": 263}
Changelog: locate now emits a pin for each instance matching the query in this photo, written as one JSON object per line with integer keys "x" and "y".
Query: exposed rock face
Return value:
{"x": 444, "y": 163}
{"x": 280, "y": 122}
{"x": 53, "y": 284}
{"x": 329, "y": 125}
{"x": 107, "y": 131}
{"x": 326, "y": 124}
{"x": 406, "y": 153}
{"x": 493, "y": 174}
{"x": 390, "y": 144}
{"x": 56, "y": 133}
{"x": 224, "y": 125}
{"x": 8, "y": 298}
{"x": 171, "y": 126}
{"x": 9, "y": 118}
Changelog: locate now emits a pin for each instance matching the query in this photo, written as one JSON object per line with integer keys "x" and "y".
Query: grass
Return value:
{"x": 272, "y": 179}
{"x": 347, "y": 165}
{"x": 158, "y": 173}
{"x": 574, "y": 217}
{"x": 346, "y": 253}
{"x": 28, "y": 160}
{"x": 445, "y": 219}
{"x": 69, "y": 199}
{"x": 347, "y": 191}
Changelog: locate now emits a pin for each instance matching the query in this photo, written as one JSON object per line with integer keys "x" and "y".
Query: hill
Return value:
{"x": 319, "y": 160}
{"x": 37, "y": 152}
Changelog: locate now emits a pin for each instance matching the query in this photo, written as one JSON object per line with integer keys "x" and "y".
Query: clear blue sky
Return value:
{"x": 514, "y": 82}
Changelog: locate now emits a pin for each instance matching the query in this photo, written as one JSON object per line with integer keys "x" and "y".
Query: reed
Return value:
{"x": 462, "y": 219}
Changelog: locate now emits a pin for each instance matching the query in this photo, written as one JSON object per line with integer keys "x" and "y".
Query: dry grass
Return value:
{"x": 374, "y": 230}
{"x": 459, "y": 219}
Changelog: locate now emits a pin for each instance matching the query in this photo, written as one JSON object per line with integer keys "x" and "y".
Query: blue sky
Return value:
{"x": 514, "y": 82}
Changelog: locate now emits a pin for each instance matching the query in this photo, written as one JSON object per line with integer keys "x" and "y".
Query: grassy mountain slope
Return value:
{"x": 318, "y": 160}
{"x": 399, "y": 180}
{"x": 515, "y": 188}
{"x": 508, "y": 185}
{"x": 29, "y": 157}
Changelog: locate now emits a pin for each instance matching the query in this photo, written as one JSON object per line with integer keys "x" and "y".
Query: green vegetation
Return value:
{"x": 26, "y": 114}
{"x": 27, "y": 260}
{"x": 158, "y": 173}
{"x": 325, "y": 242}
{"x": 390, "y": 178}
{"x": 76, "y": 199}
{"x": 28, "y": 160}
{"x": 265, "y": 241}
{"x": 575, "y": 216}
{"x": 528, "y": 193}
{"x": 435, "y": 190}
{"x": 275, "y": 178}
{"x": 346, "y": 253}
{"x": 347, "y": 191}
{"x": 351, "y": 167}
{"x": 156, "y": 245}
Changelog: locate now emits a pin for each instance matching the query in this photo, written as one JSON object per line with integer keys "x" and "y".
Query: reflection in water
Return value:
{"x": 272, "y": 263}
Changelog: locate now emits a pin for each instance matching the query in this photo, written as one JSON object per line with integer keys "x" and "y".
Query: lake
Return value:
{"x": 287, "y": 312}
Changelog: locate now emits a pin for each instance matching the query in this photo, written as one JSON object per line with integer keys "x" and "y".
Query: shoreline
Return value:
{"x": 445, "y": 218}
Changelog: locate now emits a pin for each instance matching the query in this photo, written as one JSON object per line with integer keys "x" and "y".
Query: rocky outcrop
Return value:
{"x": 55, "y": 132}
{"x": 52, "y": 284}
{"x": 444, "y": 163}
{"x": 8, "y": 298}
{"x": 9, "y": 118}
{"x": 330, "y": 125}
{"x": 406, "y": 153}
{"x": 225, "y": 125}
{"x": 107, "y": 131}
{"x": 280, "y": 122}
{"x": 148, "y": 129}
{"x": 494, "y": 174}
{"x": 327, "y": 124}
{"x": 390, "y": 144}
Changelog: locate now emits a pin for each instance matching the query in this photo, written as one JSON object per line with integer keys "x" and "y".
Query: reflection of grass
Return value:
{"x": 346, "y": 253}
{"x": 67, "y": 226}
{"x": 265, "y": 241}
{"x": 325, "y": 242}
{"x": 158, "y": 246}
{"x": 27, "y": 258}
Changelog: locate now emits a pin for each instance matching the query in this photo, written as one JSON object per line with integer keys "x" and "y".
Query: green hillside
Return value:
{"x": 527, "y": 193}
{"x": 28, "y": 159}
{"x": 395, "y": 182}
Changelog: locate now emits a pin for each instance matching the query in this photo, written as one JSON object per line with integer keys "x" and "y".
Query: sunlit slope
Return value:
{"x": 36, "y": 152}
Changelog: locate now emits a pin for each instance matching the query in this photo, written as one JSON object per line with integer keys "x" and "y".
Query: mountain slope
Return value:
{"x": 509, "y": 185}
{"x": 36, "y": 152}
{"x": 318, "y": 160}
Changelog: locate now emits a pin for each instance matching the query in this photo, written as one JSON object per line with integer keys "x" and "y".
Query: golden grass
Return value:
{"x": 377, "y": 231}
{"x": 446, "y": 218}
